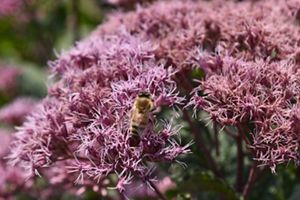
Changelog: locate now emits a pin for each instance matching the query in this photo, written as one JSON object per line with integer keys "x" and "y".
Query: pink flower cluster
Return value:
{"x": 85, "y": 119}
{"x": 8, "y": 7}
{"x": 8, "y": 78}
{"x": 12, "y": 179}
{"x": 15, "y": 112}
{"x": 182, "y": 29}
{"x": 250, "y": 58}
{"x": 265, "y": 95}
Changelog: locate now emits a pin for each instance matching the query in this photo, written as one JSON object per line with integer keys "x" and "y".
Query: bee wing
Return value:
{"x": 155, "y": 110}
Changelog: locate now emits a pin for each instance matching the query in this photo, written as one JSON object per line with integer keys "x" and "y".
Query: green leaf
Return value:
{"x": 198, "y": 73}
{"x": 203, "y": 182}
{"x": 296, "y": 193}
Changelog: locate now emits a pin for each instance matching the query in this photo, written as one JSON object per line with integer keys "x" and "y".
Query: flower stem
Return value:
{"x": 240, "y": 164}
{"x": 230, "y": 133}
{"x": 159, "y": 194}
{"x": 201, "y": 144}
{"x": 216, "y": 138}
{"x": 251, "y": 180}
{"x": 243, "y": 134}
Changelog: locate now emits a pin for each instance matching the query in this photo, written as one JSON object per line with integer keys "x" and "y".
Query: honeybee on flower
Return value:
{"x": 141, "y": 112}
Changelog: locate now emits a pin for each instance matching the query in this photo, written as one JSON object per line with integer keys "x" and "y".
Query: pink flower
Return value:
{"x": 15, "y": 112}
{"x": 85, "y": 118}
{"x": 4, "y": 142}
{"x": 263, "y": 94}
{"x": 181, "y": 29}
{"x": 8, "y": 78}
{"x": 9, "y": 7}
{"x": 11, "y": 178}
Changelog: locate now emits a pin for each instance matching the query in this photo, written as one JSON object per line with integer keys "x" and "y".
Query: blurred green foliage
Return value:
{"x": 32, "y": 34}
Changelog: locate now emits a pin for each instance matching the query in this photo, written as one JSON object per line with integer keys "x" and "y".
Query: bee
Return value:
{"x": 140, "y": 115}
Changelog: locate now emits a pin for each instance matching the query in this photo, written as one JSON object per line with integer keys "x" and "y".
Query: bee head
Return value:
{"x": 144, "y": 94}
{"x": 144, "y": 102}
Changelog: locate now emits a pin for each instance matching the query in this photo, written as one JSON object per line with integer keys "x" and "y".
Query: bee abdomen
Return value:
{"x": 134, "y": 129}
{"x": 134, "y": 139}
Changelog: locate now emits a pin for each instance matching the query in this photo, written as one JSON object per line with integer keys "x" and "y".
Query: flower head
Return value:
{"x": 11, "y": 178}
{"x": 15, "y": 112}
{"x": 181, "y": 29}
{"x": 8, "y": 78}
{"x": 9, "y": 7}
{"x": 85, "y": 118}
{"x": 263, "y": 94}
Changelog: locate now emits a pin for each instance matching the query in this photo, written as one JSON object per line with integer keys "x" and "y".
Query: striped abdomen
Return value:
{"x": 138, "y": 123}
